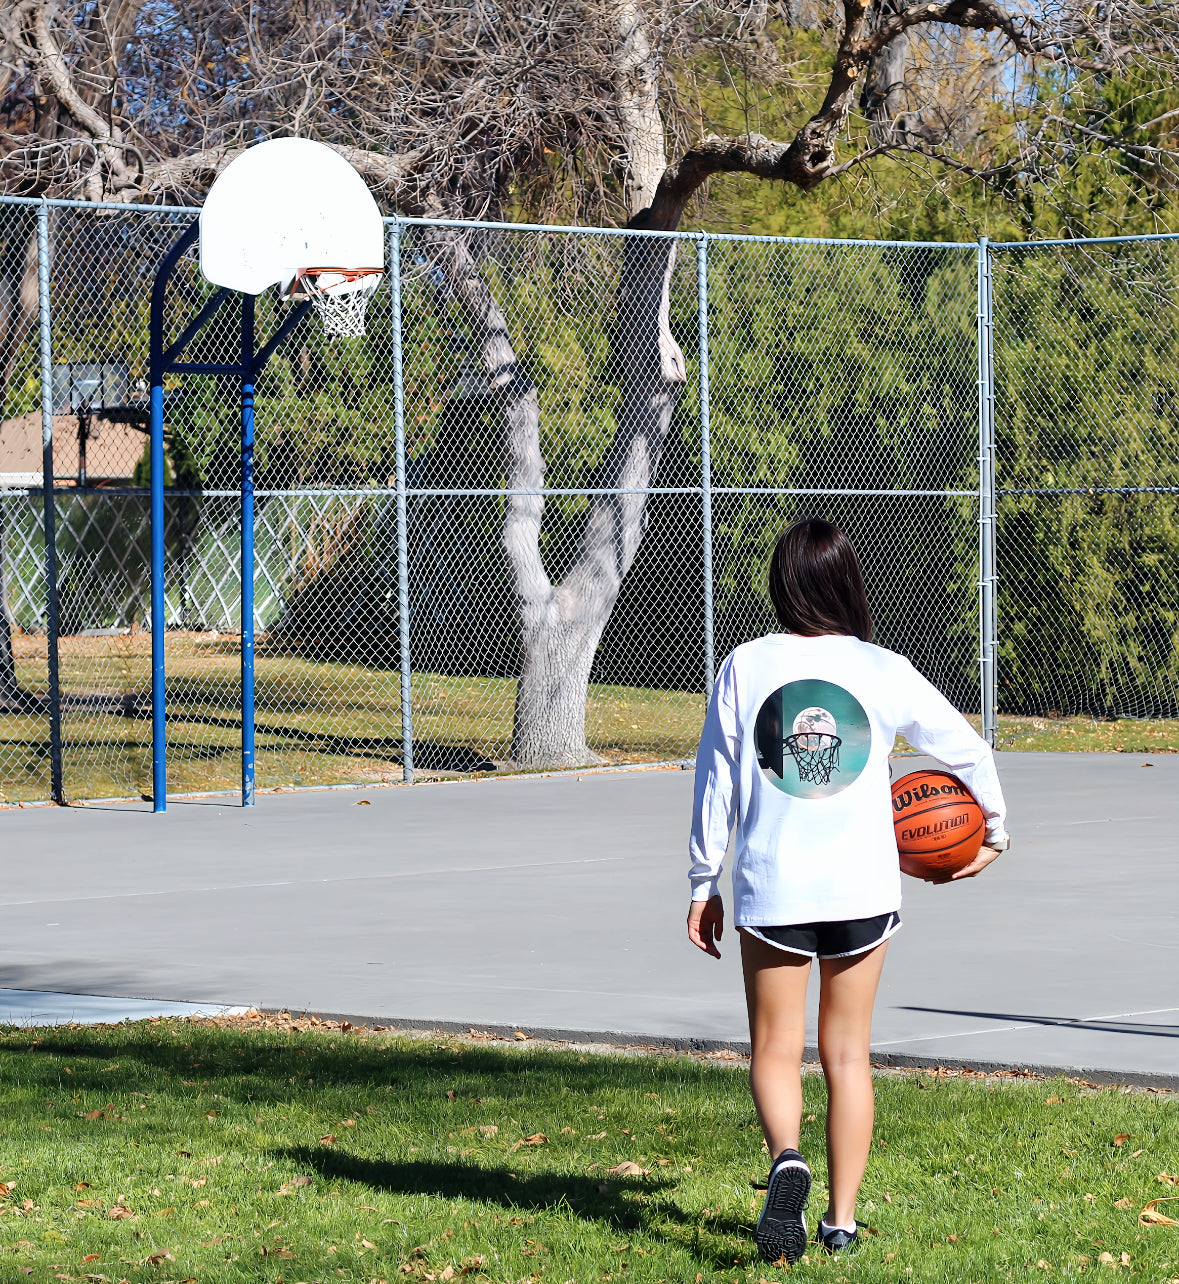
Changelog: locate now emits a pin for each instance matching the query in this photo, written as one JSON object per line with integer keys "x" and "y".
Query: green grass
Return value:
{"x": 249, "y": 1154}
{"x": 325, "y": 723}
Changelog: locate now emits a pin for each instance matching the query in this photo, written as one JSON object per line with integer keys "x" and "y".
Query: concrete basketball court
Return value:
{"x": 557, "y": 904}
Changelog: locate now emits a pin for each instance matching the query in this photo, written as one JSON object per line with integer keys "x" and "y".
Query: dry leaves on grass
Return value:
{"x": 1123, "y": 1204}
{"x": 1120, "y": 1139}
{"x": 595, "y": 1136}
{"x": 628, "y": 1169}
{"x": 289, "y": 1187}
{"x": 1150, "y": 1217}
{"x": 1168, "y": 1179}
{"x": 156, "y": 1258}
{"x": 484, "y": 1130}
{"x": 537, "y": 1139}
{"x": 328, "y": 1139}
{"x": 120, "y": 1212}
{"x": 1108, "y": 1259}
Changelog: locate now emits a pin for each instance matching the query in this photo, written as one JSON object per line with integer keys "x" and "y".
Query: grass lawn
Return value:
{"x": 168, "y": 1150}
{"x": 324, "y": 723}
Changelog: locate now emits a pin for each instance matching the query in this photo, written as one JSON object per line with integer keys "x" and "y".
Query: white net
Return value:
{"x": 340, "y": 298}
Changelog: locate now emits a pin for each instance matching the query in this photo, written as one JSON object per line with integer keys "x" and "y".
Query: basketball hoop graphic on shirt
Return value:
{"x": 814, "y": 745}
{"x": 812, "y": 738}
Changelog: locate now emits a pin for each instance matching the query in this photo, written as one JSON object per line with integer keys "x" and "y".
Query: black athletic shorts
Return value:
{"x": 831, "y": 940}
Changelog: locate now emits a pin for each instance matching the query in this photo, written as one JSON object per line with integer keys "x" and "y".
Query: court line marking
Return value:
{"x": 1064, "y": 1023}
{"x": 304, "y": 882}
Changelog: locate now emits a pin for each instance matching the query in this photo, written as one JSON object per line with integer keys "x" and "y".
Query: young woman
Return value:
{"x": 795, "y": 753}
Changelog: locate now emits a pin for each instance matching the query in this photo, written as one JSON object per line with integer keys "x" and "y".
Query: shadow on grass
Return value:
{"x": 629, "y": 1205}
{"x": 261, "y": 1065}
{"x": 591, "y": 1197}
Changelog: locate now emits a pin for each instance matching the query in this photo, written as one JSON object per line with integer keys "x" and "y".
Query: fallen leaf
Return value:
{"x": 156, "y": 1258}
{"x": 348, "y": 1123}
{"x": 595, "y": 1136}
{"x": 1171, "y": 1179}
{"x": 1123, "y": 1203}
{"x": 1149, "y": 1217}
{"x": 1137, "y": 1153}
{"x": 199, "y": 1181}
{"x": 488, "y": 1130}
{"x": 447, "y": 1273}
{"x": 569, "y": 1132}
{"x": 108, "y": 1069}
{"x": 519, "y": 1034}
{"x": 328, "y": 1139}
{"x": 952, "y": 1238}
{"x": 1043, "y": 1265}
{"x": 1052, "y": 1101}
{"x": 93, "y": 1114}
{"x": 87, "y": 1203}
{"x": 1089, "y": 1198}
{"x": 364, "y": 802}
{"x": 366, "y": 1243}
{"x": 1107, "y": 1259}
{"x": 1125, "y": 1259}
{"x": 119, "y": 1212}
{"x": 82, "y": 1185}
{"x": 91, "y": 1257}
{"x": 1121, "y": 1137}
{"x": 628, "y": 1168}
{"x": 537, "y": 1139}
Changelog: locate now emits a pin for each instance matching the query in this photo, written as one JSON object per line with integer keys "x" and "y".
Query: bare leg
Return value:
{"x": 847, "y": 994}
{"x": 775, "y": 991}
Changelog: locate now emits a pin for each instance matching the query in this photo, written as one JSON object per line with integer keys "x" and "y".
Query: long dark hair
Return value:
{"x": 816, "y": 584}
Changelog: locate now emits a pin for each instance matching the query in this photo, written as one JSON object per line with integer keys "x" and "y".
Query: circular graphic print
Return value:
{"x": 812, "y": 738}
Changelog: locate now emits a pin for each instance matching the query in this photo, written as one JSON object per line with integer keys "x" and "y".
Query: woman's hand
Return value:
{"x": 706, "y": 923}
{"x": 976, "y": 866}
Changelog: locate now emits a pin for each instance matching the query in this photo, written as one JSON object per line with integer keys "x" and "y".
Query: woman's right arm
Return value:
{"x": 935, "y": 727}
{"x": 718, "y": 766}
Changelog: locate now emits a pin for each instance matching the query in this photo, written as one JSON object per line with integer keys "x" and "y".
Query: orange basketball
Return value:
{"x": 939, "y": 825}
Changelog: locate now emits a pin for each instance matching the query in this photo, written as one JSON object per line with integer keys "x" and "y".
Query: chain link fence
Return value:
{"x": 603, "y": 435}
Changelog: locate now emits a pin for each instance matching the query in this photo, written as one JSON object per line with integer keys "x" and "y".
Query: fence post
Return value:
{"x": 402, "y": 521}
{"x": 52, "y": 620}
{"x": 987, "y": 516}
{"x": 705, "y": 461}
{"x": 247, "y": 555}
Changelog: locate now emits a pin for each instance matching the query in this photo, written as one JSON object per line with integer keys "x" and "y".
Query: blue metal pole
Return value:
{"x": 52, "y": 621}
{"x": 247, "y": 556}
{"x": 402, "y": 517}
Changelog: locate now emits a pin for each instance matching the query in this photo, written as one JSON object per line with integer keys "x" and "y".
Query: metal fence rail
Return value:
{"x": 996, "y": 426}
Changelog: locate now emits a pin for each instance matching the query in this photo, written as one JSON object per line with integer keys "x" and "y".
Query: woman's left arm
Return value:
{"x": 935, "y": 727}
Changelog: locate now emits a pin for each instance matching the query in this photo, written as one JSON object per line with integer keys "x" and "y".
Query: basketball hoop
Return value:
{"x": 340, "y": 296}
{"x": 815, "y": 754}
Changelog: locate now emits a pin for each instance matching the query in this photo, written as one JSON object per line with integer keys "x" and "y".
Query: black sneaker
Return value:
{"x": 781, "y": 1229}
{"x": 837, "y": 1240}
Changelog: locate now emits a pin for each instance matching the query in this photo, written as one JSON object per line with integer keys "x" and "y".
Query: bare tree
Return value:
{"x": 461, "y": 107}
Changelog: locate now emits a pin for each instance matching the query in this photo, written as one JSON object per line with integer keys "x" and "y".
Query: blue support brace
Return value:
{"x": 165, "y": 360}
{"x": 159, "y": 366}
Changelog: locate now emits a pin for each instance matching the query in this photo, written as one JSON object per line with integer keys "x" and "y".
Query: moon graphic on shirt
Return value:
{"x": 815, "y": 721}
{"x": 812, "y": 739}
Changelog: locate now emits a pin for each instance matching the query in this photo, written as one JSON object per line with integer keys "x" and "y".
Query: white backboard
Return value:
{"x": 284, "y": 205}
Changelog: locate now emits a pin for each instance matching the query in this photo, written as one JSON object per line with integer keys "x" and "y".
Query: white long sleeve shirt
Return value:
{"x": 795, "y": 753}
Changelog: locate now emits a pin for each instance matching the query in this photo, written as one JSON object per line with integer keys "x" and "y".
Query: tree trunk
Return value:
{"x": 561, "y": 625}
